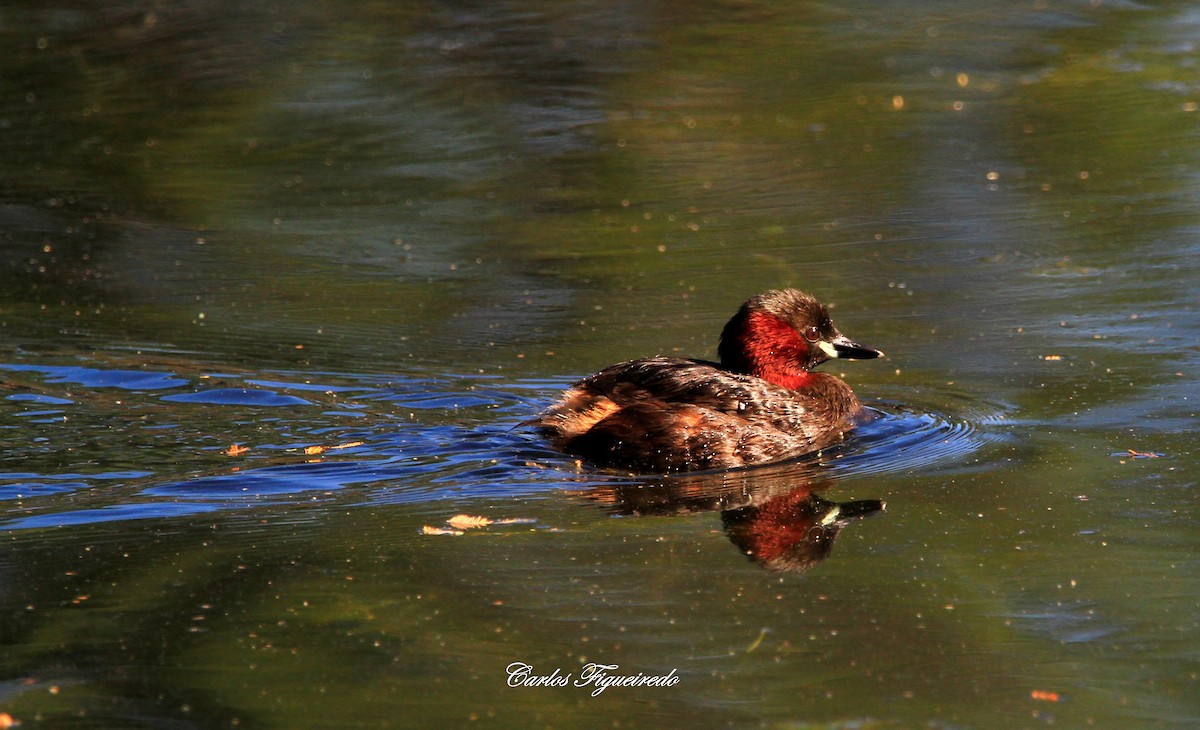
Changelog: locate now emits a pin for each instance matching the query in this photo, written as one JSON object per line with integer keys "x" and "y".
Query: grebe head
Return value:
{"x": 781, "y": 335}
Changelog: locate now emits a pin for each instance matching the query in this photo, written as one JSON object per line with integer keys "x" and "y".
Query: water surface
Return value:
{"x": 362, "y": 243}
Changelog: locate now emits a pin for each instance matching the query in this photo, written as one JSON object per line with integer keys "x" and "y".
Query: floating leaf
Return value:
{"x": 312, "y": 450}
{"x": 467, "y": 522}
{"x": 1044, "y": 695}
{"x": 427, "y": 530}
{"x": 1143, "y": 454}
{"x": 236, "y": 450}
{"x": 1131, "y": 454}
{"x": 761, "y": 635}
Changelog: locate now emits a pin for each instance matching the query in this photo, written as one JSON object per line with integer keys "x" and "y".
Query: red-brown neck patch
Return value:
{"x": 774, "y": 351}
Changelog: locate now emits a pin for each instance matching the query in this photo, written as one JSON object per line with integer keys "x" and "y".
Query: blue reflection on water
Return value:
{"x": 102, "y": 378}
{"x": 238, "y": 397}
{"x": 113, "y": 513}
{"x": 42, "y": 399}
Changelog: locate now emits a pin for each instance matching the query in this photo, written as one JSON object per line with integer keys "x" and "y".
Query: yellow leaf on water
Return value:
{"x": 466, "y": 522}
{"x": 236, "y": 450}
{"x": 427, "y": 530}
{"x": 754, "y": 644}
{"x": 313, "y": 450}
{"x": 1143, "y": 454}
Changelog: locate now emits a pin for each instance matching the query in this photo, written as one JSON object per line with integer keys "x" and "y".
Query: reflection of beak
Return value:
{"x": 847, "y": 511}
{"x": 843, "y": 347}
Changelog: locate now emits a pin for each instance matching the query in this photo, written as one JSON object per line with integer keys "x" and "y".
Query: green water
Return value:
{"x": 401, "y": 229}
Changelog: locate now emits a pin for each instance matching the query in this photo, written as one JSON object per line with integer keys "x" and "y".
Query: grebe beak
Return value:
{"x": 843, "y": 347}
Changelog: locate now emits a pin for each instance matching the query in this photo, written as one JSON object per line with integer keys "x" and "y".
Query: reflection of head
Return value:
{"x": 791, "y": 532}
{"x": 771, "y": 513}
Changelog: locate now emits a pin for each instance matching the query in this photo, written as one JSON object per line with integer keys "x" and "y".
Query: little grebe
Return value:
{"x": 761, "y": 403}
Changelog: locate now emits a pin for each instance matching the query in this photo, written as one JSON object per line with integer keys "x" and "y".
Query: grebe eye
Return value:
{"x": 812, "y": 334}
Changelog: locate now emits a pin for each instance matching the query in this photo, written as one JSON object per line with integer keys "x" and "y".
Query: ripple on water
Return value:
{"x": 903, "y": 439}
{"x": 425, "y": 440}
